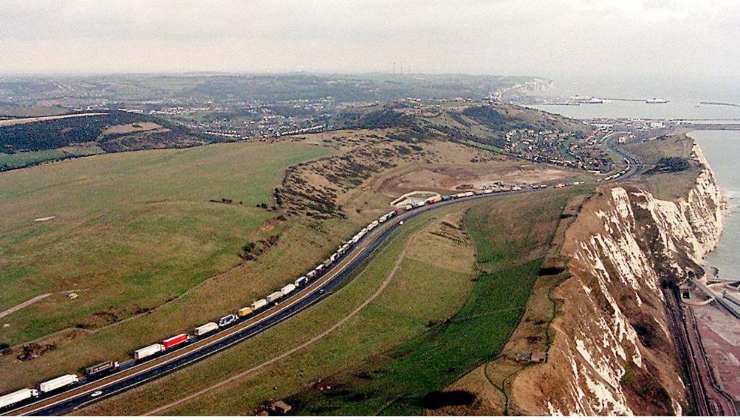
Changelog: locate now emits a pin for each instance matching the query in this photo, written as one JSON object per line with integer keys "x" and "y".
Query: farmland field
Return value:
{"x": 130, "y": 231}
{"x": 23, "y": 159}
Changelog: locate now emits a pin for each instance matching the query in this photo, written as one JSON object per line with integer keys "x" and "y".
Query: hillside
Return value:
{"x": 207, "y": 227}
{"x": 26, "y": 141}
{"x": 112, "y": 131}
{"x": 598, "y": 336}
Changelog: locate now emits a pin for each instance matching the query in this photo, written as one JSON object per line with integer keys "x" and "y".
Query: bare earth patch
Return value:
{"x": 130, "y": 128}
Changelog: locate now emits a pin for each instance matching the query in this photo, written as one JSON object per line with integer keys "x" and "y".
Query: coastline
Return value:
{"x": 724, "y": 210}
{"x": 717, "y": 328}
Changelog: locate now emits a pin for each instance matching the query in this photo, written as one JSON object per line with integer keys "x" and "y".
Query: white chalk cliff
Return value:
{"x": 612, "y": 353}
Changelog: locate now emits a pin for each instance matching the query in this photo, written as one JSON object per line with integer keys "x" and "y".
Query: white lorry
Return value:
{"x": 205, "y": 329}
{"x": 17, "y": 396}
{"x": 287, "y": 289}
{"x": 148, "y": 351}
{"x": 257, "y": 304}
{"x": 56, "y": 383}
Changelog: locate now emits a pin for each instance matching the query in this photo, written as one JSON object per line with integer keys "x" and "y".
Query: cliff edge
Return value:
{"x": 611, "y": 350}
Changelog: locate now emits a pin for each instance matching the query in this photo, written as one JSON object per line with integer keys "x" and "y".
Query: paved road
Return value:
{"x": 161, "y": 409}
{"x": 133, "y": 374}
{"x": 728, "y": 304}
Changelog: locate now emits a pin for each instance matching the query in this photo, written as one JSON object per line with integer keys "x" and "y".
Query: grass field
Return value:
{"x": 130, "y": 230}
{"x": 397, "y": 349}
{"x": 511, "y": 237}
{"x": 396, "y": 383}
{"x": 23, "y": 159}
{"x": 666, "y": 186}
{"x": 396, "y": 315}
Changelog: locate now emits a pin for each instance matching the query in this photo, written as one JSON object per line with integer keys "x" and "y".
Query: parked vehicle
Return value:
{"x": 245, "y": 311}
{"x": 205, "y": 329}
{"x": 175, "y": 341}
{"x": 257, "y": 304}
{"x": 301, "y": 281}
{"x": 58, "y": 383}
{"x": 101, "y": 368}
{"x": 287, "y": 289}
{"x": 148, "y": 351}
{"x": 18, "y": 396}
{"x": 227, "y": 320}
{"x": 274, "y": 296}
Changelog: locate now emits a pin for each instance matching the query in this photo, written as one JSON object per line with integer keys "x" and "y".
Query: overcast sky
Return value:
{"x": 693, "y": 39}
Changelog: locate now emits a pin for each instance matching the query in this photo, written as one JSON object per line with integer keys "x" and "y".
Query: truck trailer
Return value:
{"x": 58, "y": 383}
{"x": 18, "y": 396}
{"x": 148, "y": 351}
{"x": 272, "y": 297}
{"x": 175, "y": 341}
{"x": 205, "y": 329}
{"x": 101, "y": 368}
{"x": 257, "y": 304}
{"x": 287, "y": 289}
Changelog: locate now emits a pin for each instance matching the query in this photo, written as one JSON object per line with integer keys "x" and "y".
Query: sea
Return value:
{"x": 721, "y": 148}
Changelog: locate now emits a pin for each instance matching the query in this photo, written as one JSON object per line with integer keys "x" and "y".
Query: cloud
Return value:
{"x": 541, "y": 37}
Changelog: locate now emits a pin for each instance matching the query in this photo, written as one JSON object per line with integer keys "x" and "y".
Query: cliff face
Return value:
{"x": 612, "y": 352}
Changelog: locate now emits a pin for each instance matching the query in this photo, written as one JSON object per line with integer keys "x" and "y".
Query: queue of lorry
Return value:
{"x": 179, "y": 340}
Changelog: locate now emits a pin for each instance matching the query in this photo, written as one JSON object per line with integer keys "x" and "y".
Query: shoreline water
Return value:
{"x": 721, "y": 150}
{"x": 717, "y": 328}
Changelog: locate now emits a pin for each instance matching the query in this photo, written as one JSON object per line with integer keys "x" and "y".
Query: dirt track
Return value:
{"x": 20, "y": 306}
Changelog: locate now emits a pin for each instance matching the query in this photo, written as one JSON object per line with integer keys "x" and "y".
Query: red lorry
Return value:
{"x": 174, "y": 341}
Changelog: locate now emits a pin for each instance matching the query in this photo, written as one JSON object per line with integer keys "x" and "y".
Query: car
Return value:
{"x": 96, "y": 394}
